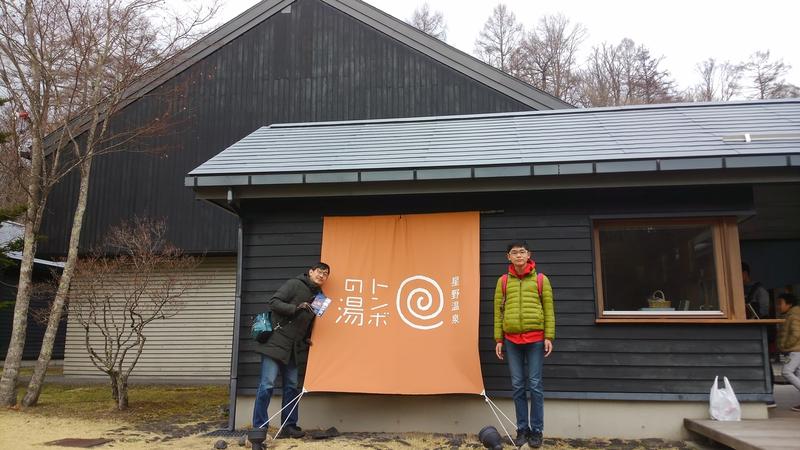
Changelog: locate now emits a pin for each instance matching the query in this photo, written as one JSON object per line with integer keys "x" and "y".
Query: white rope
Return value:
{"x": 492, "y": 406}
{"x": 293, "y": 403}
{"x": 501, "y": 423}
{"x": 501, "y": 412}
{"x": 287, "y": 405}
{"x": 296, "y": 401}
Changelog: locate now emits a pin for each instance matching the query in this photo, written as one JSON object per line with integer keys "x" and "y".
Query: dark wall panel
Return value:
{"x": 9, "y": 278}
{"x": 311, "y": 64}
{"x": 282, "y": 238}
{"x": 777, "y": 207}
{"x": 774, "y": 263}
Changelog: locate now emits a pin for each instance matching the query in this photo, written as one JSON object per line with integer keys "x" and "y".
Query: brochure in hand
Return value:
{"x": 320, "y": 304}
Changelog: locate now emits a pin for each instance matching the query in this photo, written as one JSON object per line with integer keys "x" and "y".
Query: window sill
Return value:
{"x": 665, "y": 313}
{"x": 685, "y": 320}
{"x": 758, "y": 321}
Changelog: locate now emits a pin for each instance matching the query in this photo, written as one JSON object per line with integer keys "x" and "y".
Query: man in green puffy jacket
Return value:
{"x": 525, "y": 323}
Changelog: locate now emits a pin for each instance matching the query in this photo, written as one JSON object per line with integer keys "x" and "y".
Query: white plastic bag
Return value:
{"x": 722, "y": 403}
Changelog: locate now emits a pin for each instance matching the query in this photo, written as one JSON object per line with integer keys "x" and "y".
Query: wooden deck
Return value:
{"x": 780, "y": 431}
{"x": 773, "y": 433}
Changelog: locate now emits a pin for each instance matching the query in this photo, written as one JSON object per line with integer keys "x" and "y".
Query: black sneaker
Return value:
{"x": 291, "y": 431}
{"x": 522, "y": 437}
{"x": 535, "y": 439}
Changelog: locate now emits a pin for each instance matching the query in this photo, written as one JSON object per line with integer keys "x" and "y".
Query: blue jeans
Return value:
{"x": 522, "y": 382}
{"x": 269, "y": 372}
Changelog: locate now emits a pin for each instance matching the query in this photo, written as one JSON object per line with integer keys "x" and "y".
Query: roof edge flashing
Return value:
{"x": 534, "y": 169}
{"x": 501, "y": 115}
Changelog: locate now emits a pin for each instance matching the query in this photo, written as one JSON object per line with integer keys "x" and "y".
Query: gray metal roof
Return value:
{"x": 11, "y": 231}
{"x": 578, "y": 141}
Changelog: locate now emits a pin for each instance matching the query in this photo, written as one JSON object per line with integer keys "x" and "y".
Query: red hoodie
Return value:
{"x": 528, "y": 337}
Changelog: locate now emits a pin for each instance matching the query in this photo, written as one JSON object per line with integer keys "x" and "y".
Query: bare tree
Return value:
{"x": 7, "y": 246}
{"x": 767, "y": 77}
{"x": 70, "y": 65}
{"x": 653, "y": 84}
{"x": 115, "y": 298}
{"x": 549, "y": 57}
{"x": 625, "y": 74}
{"x": 429, "y": 22}
{"x": 718, "y": 81}
{"x": 499, "y": 41}
{"x": 13, "y": 168}
{"x": 5, "y": 136}
{"x": 601, "y": 82}
{"x": 609, "y": 77}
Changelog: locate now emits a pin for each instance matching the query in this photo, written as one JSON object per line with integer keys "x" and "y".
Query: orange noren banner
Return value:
{"x": 405, "y": 305}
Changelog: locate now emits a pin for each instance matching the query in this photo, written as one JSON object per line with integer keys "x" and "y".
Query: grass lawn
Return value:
{"x": 150, "y": 405}
{"x": 27, "y": 371}
{"x": 159, "y": 416}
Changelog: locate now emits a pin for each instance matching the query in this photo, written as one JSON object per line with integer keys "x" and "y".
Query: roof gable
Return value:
{"x": 371, "y": 16}
{"x": 363, "y": 12}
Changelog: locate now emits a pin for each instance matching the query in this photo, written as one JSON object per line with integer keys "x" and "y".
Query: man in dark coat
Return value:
{"x": 287, "y": 347}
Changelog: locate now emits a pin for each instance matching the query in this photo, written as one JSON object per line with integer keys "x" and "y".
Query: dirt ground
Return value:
{"x": 23, "y": 430}
{"x": 179, "y": 417}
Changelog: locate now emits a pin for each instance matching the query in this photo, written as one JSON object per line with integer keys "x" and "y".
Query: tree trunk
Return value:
{"x": 8, "y": 383}
{"x": 37, "y": 380}
{"x": 114, "y": 386}
{"x": 122, "y": 392}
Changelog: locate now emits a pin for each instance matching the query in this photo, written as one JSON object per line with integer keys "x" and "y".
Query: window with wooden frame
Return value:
{"x": 668, "y": 269}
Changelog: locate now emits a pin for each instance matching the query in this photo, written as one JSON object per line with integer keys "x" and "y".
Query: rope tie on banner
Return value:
{"x": 495, "y": 409}
{"x": 293, "y": 403}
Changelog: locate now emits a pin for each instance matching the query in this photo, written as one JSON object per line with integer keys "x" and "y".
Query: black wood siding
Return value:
{"x": 9, "y": 278}
{"x": 313, "y": 64}
{"x": 282, "y": 238}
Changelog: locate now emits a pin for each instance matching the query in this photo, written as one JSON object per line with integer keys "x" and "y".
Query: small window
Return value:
{"x": 664, "y": 268}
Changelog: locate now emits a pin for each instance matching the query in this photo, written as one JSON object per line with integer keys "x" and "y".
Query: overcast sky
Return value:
{"x": 684, "y": 32}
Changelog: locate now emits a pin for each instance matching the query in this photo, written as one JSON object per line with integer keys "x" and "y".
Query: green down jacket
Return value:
{"x": 524, "y": 311}
{"x": 789, "y": 331}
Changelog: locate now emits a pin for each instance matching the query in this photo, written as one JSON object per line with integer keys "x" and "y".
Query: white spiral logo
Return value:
{"x": 423, "y": 302}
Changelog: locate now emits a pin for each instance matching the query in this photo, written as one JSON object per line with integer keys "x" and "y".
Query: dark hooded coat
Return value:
{"x": 292, "y": 325}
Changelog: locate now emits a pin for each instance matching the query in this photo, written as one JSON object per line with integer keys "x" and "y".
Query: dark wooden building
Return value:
{"x": 40, "y": 302}
{"x": 280, "y": 61}
{"x": 38, "y": 306}
{"x": 616, "y": 202}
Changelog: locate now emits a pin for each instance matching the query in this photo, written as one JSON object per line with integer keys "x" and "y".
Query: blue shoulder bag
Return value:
{"x": 261, "y": 328}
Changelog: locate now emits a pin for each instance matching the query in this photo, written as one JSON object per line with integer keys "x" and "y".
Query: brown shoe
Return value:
{"x": 796, "y": 408}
